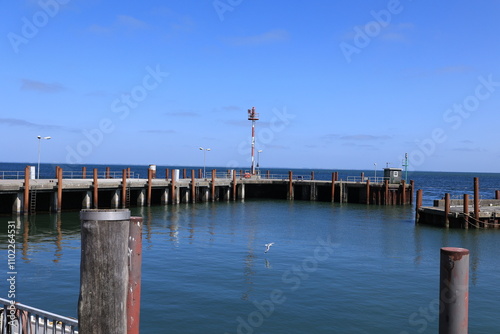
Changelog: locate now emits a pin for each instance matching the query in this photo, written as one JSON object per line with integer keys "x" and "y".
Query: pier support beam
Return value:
{"x": 234, "y": 185}
{"x": 368, "y": 191}
{"x": 418, "y": 205}
{"x": 141, "y": 197}
{"x": 476, "y": 201}
{"x": 447, "y": 210}
{"x": 165, "y": 196}
{"x": 87, "y": 200}
{"x": 454, "y": 291}
{"x": 17, "y": 204}
{"x": 96, "y": 190}
{"x": 115, "y": 199}
{"x": 212, "y": 185}
{"x": 290, "y": 194}
{"x": 466, "y": 211}
{"x": 174, "y": 193}
{"x": 59, "y": 173}
{"x": 241, "y": 191}
{"x": 124, "y": 188}
{"x": 193, "y": 187}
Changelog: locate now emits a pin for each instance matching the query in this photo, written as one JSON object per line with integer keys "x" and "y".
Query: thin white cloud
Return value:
{"x": 269, "y": 37}
{"x": 39, "y": 86}
{"x": 121, "y": 22}
{"x": 23, "y": 123}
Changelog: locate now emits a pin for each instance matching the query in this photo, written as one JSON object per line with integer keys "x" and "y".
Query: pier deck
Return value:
{"x": 36, "y": 195}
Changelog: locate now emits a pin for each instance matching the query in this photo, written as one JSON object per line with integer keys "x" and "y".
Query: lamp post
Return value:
{"x": 258, "y": 161}
{"x": 39, "y": 142}
{"x": 204, "y": 158}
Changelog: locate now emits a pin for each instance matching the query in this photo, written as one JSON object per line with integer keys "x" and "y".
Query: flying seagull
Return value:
{"x": 268, "y": 246}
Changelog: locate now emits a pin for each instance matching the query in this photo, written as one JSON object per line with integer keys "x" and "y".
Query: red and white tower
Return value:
{"x": 253, "y": 116}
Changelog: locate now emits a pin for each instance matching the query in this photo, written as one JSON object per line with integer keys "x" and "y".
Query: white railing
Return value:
{"x": 372, "y": 179}
{"x": 100, "y": 174}
{"x": 18, "y": 318}
{"x": 11, "y": 175}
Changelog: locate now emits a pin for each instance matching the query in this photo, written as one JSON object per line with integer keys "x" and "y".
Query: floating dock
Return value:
{"x": 460, "y": 213}
{"x": 76, "y": 191}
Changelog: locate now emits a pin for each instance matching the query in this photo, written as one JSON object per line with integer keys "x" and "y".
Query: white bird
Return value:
{"x": 268, "y": 246}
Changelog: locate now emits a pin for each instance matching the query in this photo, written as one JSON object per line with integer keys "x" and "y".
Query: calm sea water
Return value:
{"x": 334, "y": 268}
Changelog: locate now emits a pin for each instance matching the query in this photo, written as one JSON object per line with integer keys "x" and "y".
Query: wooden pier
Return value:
{"x": 29, "y": 196}
{"x": 460, "y": 213}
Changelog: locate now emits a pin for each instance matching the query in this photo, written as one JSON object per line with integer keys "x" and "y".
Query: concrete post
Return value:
{"x": 165, "y": 196}
{"x": 141, "y": 197}
{"x": 17, "y": 204}
{"x": 115, "y": 199}
{"x": 104, "y": 275}
{"x": 454, "y": 291}
{"x": 87, "y": 200}
{"x": 174, "y": 193}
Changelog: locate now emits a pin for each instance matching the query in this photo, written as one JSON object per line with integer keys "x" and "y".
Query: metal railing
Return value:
{"x": 100, "y": 174}
{"x": 372, "y": 179}
{"x": 12, "y": 175}
{"x": 22, "y": 319}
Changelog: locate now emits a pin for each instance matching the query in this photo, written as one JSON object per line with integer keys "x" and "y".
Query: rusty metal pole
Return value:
{"x": 213, "y": 185}
{"x": 108, "y": 172}
{"x": 466, "y": 211}
{"x": 412, "y": 187}
{"x": 403, "y": 192}
{"x": 367, "y": 191}
{"x": 235, "y": 185}
{"x": 96, "y": 190}
{"x": 312, "y": 175}
{"x": 124, "y": 188}
{"x": 184, "y": 173}
{"x": 193, "y": 187}
{"x": 386, "y": 192}
{"x": 418, "y": 205}
{"x": 84, "y": 172}
{"x": 290, "y": 185}
{"x": 166, "y": 174}
{"x": 59, "y": 172}
{"x": 497, "y": 194}
{"x": 333, "y": 187}
{"x": 150, "y": 177}
{"x": 26, "y": 199}
{"x": 476, "y": 200}
{"x": 454, "y": 291}
{"x": 134, "y": 275}
{"x": 447, "y": 210}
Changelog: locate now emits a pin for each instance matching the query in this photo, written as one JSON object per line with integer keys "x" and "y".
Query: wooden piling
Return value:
{"x": 333, "y": 187}
{"x": 447, "y": 210}
{"x": 104, "y": 275}
{"x": 134, "y": 278}
{"x": 235, "y": 187}
{"x": 386, "y": 192}
{"x": 59, "y": 172}
{"x": 368, "y": 191}
{"x": 26, "y": 199}
{"x": 124, "y": 188}
{"x": 95, "y": 184}
{"x": 418, "y": 205}
{"x": 212, "y": 185}
{"x": 193, "y": 187}
{"x": 150, "y": 185}
{"x": 466, "y": 211}
{"x": 476, "y": 200}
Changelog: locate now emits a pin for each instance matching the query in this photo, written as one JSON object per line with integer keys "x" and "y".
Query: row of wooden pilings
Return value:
{"x": 465, "y": 208}
{"x": 110, "y": 277}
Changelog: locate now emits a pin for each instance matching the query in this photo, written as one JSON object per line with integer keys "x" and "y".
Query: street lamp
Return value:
{"x": 39, "y": 142}
{"x": 204, "y": 158}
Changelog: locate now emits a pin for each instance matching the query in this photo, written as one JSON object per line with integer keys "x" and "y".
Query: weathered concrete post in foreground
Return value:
{"x": 109, "y": 299}
{"x": 454, "y": 291}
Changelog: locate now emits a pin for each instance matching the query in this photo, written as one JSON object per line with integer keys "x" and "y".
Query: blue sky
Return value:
{"x": 337, "y": 84}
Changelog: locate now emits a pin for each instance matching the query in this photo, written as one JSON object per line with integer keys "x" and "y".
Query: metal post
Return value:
{"x": 59, "y": 173}
{"x": 96, "y": 190}
{"x": 104, "y": 275}
{"x": 419, "y": 204}
{"x": 454, "y": 291}
{"x": 446, "y": 210}
{"x": 124, "y": 188}
{"x": 476, "y": 200}
{"x": 134, "y": 279}
{"x": 26, "y": 199}
{"x": 466, "y": 211}
{"x": 367, "y": 191}
{"x": 333, "y": 186}
{"x": 290, "y": 185}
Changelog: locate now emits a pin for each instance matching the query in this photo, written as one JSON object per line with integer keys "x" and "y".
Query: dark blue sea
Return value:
{"x": 333, "y": 268}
